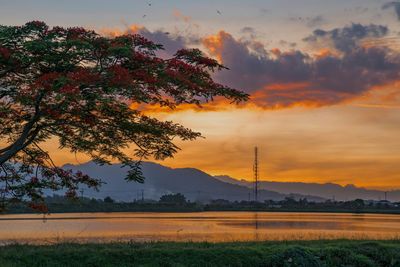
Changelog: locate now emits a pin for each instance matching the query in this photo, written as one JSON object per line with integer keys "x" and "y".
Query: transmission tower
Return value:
{"x": 256, "y": 174}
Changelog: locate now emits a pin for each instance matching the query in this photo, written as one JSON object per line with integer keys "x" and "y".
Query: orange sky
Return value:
{"x": 306, "y": 130}
{"x": 353, "y": 143}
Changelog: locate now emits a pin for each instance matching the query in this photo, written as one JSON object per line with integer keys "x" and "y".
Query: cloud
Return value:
{"x": 316, "y": 21}
{"x": 248, "y": 30}
{"x": 171, "y": 42}
{"x": 288, "y": 44}
{"x": 278, "y": 79}
{"x": 393, "y": 5}
{"x": 358, "y": 10}
{"x": 347, "y": 38}
{"x": 310, "y": 22}
{"x": 342, "y": 71}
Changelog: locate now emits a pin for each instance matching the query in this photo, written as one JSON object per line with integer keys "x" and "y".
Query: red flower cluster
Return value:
{"x": 51, "y": 112}
{"x": 207, "y": 61}
{"x": 69, "y": 89}
{"x": 5, "y": 53}
{"x": 41, "y": 207}
{"x": 178, "y": 76}
{"x": 76, "y": 33}
{"x": 172, "y": 74}
{"x": 141, "y": 57}
{"x": 144, "y": 76}
{"x": 88, "y": 120}
{"x": 139, "y": 40}
{"x": 57, "y": 30}
{"x": 37, "y": 24}
{"x": 46, "y": 81}
{"x": 83, "y": 76}
{"x": 83, "y": 178}
{"x": 120, "y": 76}
{"x": 183, "y": 66}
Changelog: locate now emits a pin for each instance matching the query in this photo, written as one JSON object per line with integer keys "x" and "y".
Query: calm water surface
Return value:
{"x": 205, "y": 226}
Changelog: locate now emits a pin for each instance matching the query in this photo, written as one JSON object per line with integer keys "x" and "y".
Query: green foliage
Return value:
{"x": 87, "y": 92}
{"x": 61, "y": 204}
{"x": 276, "y": 254}
{"x": 294, "y": 256}
{"x": 178, "y": 203}
{"x": 178, "y": 199}
{"x": 109, "y": 200}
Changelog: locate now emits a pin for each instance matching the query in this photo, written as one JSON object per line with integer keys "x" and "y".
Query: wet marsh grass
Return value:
{"x": 271, "y": 253}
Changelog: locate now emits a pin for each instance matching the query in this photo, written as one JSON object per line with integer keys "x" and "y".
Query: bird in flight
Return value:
{"x": 148, "y": 3}
{"x": 219, "y": 12}
{"x": 144, "y": 16}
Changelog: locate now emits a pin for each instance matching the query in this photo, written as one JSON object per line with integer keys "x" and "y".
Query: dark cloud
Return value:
{"x": 316, "y": 21}
{"x": 288, "y": 44}
{"x": 393, "y": 5}
{"x": 310, "y": 22}
{"x": 283, "y": 79}
{"x": 248, "y": 30}
{"x": 347, "y": 38}
{"x": 170, "y": 42}
{"x": 358, "y": 10}
{"x": 278, "y": 79}
{"x": 249, "y": 33}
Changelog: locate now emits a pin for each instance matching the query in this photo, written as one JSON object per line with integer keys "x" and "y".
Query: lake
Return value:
{"x": 204, "y": 226}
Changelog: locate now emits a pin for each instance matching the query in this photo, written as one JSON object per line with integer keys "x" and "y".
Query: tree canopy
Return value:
{"x": 80, "y": 88}
{"x": 178, "y": 199}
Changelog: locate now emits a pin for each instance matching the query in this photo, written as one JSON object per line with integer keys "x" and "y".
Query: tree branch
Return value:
{"x": 27, "y": 136}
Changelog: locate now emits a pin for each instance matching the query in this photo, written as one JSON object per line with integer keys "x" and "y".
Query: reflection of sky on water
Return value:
{"x": 207, "y": 226}
{"x": 303, "y": 225}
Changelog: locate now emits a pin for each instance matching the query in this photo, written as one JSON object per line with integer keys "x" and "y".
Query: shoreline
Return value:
{"x": 389, "y": 212}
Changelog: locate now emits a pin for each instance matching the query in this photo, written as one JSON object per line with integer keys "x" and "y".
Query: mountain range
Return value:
{"x": 327, "y": 190}
{"x": 196, "y": 185}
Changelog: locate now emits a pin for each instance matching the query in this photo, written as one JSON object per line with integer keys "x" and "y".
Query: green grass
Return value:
{"x": 293, "y": 253}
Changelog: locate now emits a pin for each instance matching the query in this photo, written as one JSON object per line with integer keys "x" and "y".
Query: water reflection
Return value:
{"x": 256, "y": 226}
{"x": 206, "y": 226}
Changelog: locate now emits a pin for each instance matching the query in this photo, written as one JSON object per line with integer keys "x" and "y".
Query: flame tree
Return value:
{"x": 79, "y": 88}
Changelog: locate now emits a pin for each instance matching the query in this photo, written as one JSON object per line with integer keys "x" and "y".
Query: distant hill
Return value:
{"x": 196, "y": 185}
{"x": 328, "y": 190}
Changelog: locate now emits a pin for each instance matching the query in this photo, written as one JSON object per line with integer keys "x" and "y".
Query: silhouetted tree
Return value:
{"x": 290, "y": 201}
{"x": 173, "y": 199}
{"x": 86, "y": 90}
{"x": 108, "y": 200}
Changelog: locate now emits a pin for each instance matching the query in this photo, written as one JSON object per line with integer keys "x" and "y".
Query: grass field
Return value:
{"x": 293, "y": 253}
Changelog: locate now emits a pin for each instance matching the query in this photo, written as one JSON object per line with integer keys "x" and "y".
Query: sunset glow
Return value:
{"x": 324, "y": 86}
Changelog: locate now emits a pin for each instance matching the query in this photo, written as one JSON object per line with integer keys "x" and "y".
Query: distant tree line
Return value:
{"x": 178, "y": 203}
{"x": 302, "y": 204}
{"x": 60, "y": 204}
